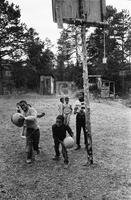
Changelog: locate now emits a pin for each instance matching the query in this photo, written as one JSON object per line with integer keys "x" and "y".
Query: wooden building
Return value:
{"x": 47, "y": 85}
{"x": 107, "y": 89}
{"x": 6, "y": 80}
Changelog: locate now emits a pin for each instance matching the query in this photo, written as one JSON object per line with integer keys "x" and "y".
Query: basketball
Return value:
{"x": 68, "y": 142}
{"x": 17, "y": 119}
{"x": 67, "y": 110}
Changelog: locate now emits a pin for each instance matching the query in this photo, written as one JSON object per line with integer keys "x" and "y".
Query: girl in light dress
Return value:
{"x": 67, "y": 110}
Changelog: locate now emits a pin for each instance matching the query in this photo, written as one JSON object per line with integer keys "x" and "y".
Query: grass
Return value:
{"x": 108, "y": 179}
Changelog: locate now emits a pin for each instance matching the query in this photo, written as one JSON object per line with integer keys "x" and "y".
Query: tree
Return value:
{"x": 20, "y": 45}
{"x": 47, "y": 63}
{"x": 12, "y": 35}
{"x": 69, "y": 44}
{"x": 34, "y": 48}
{"x": 40, "y": 59}
{"x": 48, "y": 44}
{"x": 60, "y": 68}
{"x": 68, "y": 58}
{"x": 128, "y": 46}
{"x": 115, "y": 37}
{"x": 11, "y": 30}
{"x": 122, "y": 25}
{"x": 19, "y": 74}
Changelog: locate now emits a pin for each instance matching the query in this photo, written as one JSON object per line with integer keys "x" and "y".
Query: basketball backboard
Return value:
{"x": 68, "y": 11}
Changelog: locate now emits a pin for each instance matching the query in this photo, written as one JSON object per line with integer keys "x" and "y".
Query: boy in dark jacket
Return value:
{"x": 79, "y": 110}
{"x": 59, "y": 130}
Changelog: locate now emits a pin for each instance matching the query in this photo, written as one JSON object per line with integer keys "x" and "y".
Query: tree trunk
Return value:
{"x": 1, "y": 76}
{"x": 86, "y": 97}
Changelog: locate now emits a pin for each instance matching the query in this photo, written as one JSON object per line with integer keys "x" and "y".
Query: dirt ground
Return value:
{"x": 108, "y": 179}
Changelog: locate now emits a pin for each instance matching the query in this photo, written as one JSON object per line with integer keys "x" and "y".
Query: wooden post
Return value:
{"x": 1, "y": 76}
{"x": 86, "y": 97}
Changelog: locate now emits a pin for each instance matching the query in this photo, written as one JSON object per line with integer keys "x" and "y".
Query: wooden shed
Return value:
{"x": 6, "y": 80}
{"x": 107, "y": 89}
{"x": 47, "y": 85}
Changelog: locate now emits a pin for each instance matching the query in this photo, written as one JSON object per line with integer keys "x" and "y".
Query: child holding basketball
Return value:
{"x": 30, "y": 128}
{"x": 59, "y": 130}
{"x": 19, "y": 110}
{"x": 67, "y": 110}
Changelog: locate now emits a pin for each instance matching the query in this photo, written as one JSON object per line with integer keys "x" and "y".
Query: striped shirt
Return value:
{"x": 79, "y": 106}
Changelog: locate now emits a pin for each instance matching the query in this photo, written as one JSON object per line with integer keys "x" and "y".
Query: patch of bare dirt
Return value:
{"x": 108, "y": 179}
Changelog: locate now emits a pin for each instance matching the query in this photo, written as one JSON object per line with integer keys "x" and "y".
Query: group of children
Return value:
{"x": 59, "y": 129}
{"x": 65, "y": 109}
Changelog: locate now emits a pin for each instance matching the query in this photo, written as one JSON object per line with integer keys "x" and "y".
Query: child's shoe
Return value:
{"x": 78, "y": 147}
{"x": 66, "y": 164}
{"x": 28, "y": 161}
{"x": 56, "y": 158}
{"x": 22, "y": 136}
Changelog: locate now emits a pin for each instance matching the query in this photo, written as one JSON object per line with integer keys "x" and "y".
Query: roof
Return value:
{"x": 47, "y": 75}
{"x": 103, "y": 80}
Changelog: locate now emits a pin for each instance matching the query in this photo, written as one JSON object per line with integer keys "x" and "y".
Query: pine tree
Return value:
{"x": 115, "y": 40}
{"x": 11, "y": 31}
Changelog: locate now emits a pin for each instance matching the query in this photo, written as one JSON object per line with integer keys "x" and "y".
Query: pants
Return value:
{"x": 32, "y": 141}
{"x": 64, "y": 151}
{"x": 80, "y": 124}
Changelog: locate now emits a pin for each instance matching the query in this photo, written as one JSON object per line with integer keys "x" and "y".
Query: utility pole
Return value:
{"x": 76, "y": 44}
{"x": 86, "y": 96}
{"x": 86, "y": 85}
{"x": 1, "y": 76}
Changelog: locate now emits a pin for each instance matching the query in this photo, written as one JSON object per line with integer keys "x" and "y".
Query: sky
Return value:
{"x": 38, "y": 15}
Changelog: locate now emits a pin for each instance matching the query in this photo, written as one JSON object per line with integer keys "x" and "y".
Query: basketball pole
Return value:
{"x": 86, "y": 96}
{"x": 78, "y": 16}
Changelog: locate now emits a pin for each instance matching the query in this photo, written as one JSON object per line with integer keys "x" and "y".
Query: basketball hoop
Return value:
{"x": 79, "y": 12}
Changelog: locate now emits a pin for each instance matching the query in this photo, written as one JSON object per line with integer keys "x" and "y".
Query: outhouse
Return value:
{"x": 46, "y": 85}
